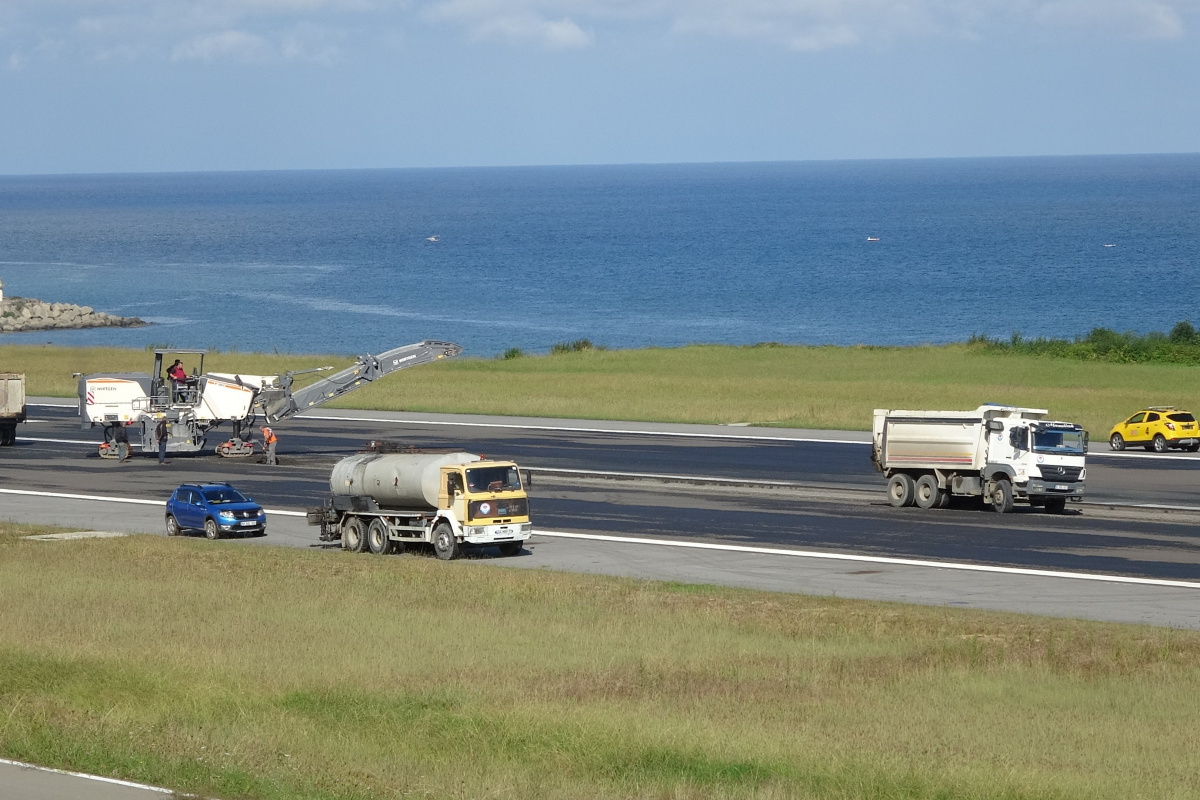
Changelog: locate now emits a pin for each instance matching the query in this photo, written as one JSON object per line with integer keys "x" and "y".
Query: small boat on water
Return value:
{"x": 872, "y": 238}
{"x": 431, "y": 239}
{"x": 1110, "y": 245}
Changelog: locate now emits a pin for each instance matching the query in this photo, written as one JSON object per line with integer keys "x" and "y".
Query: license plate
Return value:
{"x": 503, "y": 531}
{"x": 1061, "y": 487}
{"x": 251, "y": 522}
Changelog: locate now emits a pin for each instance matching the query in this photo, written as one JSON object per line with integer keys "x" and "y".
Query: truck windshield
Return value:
{"x": 1058, "y": 440}
{"x": 221, "y": 496}
{"x": 493, "y": 479}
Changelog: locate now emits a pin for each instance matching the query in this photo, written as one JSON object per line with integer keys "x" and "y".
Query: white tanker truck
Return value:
{"x": 382, "y": 502}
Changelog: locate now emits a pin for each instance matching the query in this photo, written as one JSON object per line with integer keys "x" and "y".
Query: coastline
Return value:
{"x": 27, "y": 314}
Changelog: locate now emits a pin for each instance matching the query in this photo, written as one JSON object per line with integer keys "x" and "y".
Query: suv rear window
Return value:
{"x": 1181, "y": 417}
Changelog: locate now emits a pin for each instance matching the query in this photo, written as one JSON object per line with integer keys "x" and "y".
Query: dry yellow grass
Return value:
{"x": 271, "y": 673}
{"x": 809, "y": 387}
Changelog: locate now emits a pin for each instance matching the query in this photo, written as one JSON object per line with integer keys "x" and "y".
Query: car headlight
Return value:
{"x": 226, "y": 515}
{"x": 262, "y": 513}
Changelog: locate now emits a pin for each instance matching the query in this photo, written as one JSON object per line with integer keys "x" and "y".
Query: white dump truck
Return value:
{"x": 1003, "y": 453}
{"x": 12, "y": 405}
{"x": 381, "y": 502}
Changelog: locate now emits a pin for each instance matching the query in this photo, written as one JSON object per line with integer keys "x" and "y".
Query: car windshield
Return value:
{"x": 493, "y": 479}
{"x": 221, "y": 496}
{"x": 1063, "y": 441}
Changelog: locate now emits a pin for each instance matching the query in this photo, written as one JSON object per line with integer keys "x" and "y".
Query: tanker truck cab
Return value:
{"x": 486, "y": 503}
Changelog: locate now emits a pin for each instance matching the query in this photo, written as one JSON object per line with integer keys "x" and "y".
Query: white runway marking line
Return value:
{"x": 568, "y": 429}
{"x": 100, "y": 778}
{"x": 736, "y": 548}
{"x": 904, "y": 562}
{"x": 130, "y": 500}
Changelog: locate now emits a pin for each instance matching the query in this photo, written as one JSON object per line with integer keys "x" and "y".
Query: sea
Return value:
{"x": 896, "y": 252}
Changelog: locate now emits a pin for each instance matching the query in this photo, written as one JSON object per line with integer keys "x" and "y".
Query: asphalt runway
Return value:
{"x": 760, "y": 487}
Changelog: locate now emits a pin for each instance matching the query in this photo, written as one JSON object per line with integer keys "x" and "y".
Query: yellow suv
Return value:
{"x": 1158, "y": 428}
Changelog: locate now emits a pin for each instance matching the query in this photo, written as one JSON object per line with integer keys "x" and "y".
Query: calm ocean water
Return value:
{"x": 877, "y": 252}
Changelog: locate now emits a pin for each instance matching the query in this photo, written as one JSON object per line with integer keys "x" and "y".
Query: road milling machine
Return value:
{"x": 202, "y": 402}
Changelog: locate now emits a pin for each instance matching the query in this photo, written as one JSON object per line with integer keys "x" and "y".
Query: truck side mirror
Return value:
{"x": 527, "y": 479}
{"x": 995, "y": 425}
{"x": 1016, "y": 437}
{"x": 1085, "y": 441}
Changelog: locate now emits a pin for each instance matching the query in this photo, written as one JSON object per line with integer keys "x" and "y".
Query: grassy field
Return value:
{"x": 241, "y": 672}
{"x": 810, "y": 387}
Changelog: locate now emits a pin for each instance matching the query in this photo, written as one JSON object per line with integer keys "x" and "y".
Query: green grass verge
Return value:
{"x": 807, "y": 387}
{"x": 241, "y": 672}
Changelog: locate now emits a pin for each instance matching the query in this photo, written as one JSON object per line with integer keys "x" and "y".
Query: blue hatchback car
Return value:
{"x": 218, "y": 509}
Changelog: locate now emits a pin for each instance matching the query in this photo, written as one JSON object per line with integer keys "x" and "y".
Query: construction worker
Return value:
{"x": 121, "y": 442}
{"x": 161, "y": 434}
{"x": 269, "y": 440}
{"x": 178, "y": 376}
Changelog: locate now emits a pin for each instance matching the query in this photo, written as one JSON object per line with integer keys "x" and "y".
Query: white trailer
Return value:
{"x": 1003, "y": 453}
{"x": 385, "y": 502}
{"x": 12, "y": 405}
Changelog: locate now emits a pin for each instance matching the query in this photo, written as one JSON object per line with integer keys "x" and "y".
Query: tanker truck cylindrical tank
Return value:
{"x": 397, "y": 479}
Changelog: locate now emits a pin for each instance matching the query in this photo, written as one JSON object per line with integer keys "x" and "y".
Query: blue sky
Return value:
{"x": 153, "y": 85}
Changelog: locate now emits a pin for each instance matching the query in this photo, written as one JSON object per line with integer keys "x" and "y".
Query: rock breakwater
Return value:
{"x": 19, "y": 314}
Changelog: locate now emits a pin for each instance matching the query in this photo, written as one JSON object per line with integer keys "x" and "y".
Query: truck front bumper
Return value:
{"x": 1043, "y": 488}
{"x": 494, "y": 534}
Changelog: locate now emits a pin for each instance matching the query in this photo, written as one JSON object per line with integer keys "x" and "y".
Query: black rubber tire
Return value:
{"x": 901, "y": 490}
{"x": 926, "y": 493}
{"x": 8, "y": 435}
{"x": 1116, "y": 442}
{"x": 354, "y": 538}
{"x": 1056, "y": 505}
{"x": 211, "y": 531}
{"x": 508, "y": 549}
{"x": 1191, "y": 448}
{"x": 445, "y": 546}
{"x": 377, "y": 537}
{"x": 173, "y": 528}
{"x": 1002, "y": 497}
{"x": 1160, "y": 443}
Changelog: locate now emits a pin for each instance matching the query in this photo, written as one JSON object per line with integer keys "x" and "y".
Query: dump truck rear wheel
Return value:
{"x": 353, "y": 538}
{"x": 1002, "y": 497}
{"x": 926, "y": 493}
{"x": 900, "y": 490}
{"x": 445, "y": 546}
{"x": 377, "y": 537}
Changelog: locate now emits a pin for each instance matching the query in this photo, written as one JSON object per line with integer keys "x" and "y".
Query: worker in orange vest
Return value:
{"x": 269, "y": 440}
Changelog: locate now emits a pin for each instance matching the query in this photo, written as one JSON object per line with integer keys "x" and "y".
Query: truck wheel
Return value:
{"x": 1160, "y": 444}
{"x": 172, "y": 525}
{"x": 211, "y": 530}
{"x": 927, "y": 494}
{"x": 8, "y": 435}
{"x": 1002, "y": 497}
{"x": 1056, "y": 505}
{"x": 353, "y": 537}
{"x": 510, "y": 548}
{"x": 445, "y": 546}
{"x": 377, "y": 537}
{"x": 1117, "y": 442}
{"x": 900, "y": 490}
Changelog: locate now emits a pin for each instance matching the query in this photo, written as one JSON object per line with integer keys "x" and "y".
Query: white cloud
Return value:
{"x": 1140, "y": 18}
{"x": 249, "y": 31}
{"x": 223, "y": 46}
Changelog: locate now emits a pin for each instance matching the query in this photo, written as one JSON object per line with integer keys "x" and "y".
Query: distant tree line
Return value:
{"x": 1180, "y": 346}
